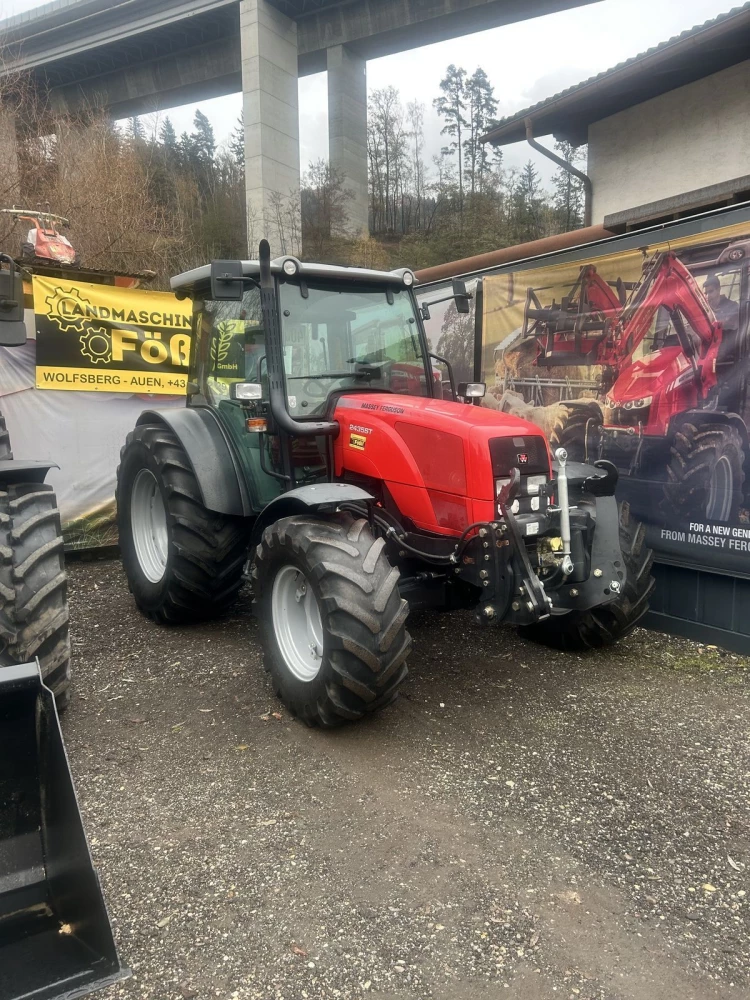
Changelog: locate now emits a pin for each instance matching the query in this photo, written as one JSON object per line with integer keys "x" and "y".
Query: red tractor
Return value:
{"x": 670, "y": 399}
{"x": 318, "y": 460}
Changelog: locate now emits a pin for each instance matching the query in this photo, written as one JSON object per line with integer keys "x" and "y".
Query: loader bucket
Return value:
{"x": 55, "y": 937}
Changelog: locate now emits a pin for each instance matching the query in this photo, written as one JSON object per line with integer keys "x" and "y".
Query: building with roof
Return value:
{"x": 668, "y": 131}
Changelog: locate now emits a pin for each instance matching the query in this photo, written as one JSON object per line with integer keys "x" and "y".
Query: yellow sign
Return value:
{"x": 106, "y": 339}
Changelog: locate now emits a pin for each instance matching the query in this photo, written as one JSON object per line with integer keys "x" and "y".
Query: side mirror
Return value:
{"x": 226, "y": 280}
{"x": 461, "y": 296}
{"x": 12, "y": 327}
{"x": 471, "y": 390}
{"x": 246, "y": 391}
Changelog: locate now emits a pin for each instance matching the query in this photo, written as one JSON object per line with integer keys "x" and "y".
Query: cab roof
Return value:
{"x": 330, "y": 272}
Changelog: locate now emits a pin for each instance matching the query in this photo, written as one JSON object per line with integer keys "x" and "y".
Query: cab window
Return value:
{"x": 232, "y": 342}
{"x": 338, "y": 336}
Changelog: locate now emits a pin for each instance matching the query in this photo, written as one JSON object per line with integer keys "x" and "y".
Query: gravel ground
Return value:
{"x": 521, "y": 824}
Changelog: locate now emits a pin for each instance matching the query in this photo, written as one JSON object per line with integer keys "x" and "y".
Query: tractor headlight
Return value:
{"x": 531, "y": 486}
{"x": 534, "y": 484}
{"x": 408, "y": 279}
{"x": 290, "y": 267}
{"x": 638, "y": 404}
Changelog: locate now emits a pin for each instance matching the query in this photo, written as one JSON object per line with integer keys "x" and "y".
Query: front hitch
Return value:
{"x": 582, "y": 534}
{"x": 564, "y": 503}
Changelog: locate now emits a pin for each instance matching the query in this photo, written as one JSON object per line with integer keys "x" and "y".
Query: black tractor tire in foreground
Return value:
{"x": 203, "y": 552}
{"x": 603, "y": 626}
{"x": 361, "y": 622}
{"x": 6, "y": 454}
{"x": 571, "y": 431}
{"x": 34, "y": 585}
{"x": 705, "y": 472}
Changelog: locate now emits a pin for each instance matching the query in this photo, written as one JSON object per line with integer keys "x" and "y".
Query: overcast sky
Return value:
{"x": 526, "y": 63}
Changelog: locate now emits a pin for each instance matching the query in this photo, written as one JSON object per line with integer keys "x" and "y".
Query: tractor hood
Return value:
{"x": 649, "y": 376}
{"x": 435, "y": 455}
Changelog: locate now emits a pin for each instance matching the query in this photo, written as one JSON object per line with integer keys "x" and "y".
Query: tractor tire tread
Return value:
{"x": 695, "y": 450}
{"x": 34, "y": 615}
{"x": 6, "y": 453}
{"x": 569, "y": 430}
{"x": 208, "y": 550}
{"x": 366, "y": 644}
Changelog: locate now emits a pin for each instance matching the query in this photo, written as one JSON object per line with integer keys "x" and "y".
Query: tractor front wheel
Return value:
{"x": 331, "y": 618}
{"x": 183, "y": 562}
{"x": 605, "y": 625}
{"x": 578, "y": 424}
{"x": 705, "y": 472}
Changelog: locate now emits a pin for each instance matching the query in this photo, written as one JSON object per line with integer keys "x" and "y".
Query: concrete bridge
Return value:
{"x": 137, "y": 56}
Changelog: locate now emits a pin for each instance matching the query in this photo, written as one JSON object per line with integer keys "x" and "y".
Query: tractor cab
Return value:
{"x": 279, "y": 342}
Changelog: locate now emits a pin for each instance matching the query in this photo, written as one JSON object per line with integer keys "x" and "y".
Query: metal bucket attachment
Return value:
{"x": 55, "y": 937}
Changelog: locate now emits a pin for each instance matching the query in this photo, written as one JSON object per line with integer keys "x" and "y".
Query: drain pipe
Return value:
{"x": 584, "y": 178}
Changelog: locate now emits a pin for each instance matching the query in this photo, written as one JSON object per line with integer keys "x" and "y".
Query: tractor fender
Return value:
{"x": 304, "y": 499}
{"x": 14, "y": 471}
{"x": 712, "y": 417}
{"x": 211, "y": 457}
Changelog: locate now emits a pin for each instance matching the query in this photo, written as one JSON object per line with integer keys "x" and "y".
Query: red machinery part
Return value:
{"x": 433, "y": 457}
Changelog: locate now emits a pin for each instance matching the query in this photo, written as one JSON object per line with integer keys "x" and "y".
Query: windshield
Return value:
{"x": 721, "y": 289}
{"x": 335, "y": 337}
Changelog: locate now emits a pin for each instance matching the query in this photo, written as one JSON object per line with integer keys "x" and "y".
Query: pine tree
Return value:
{"x": 203, "y": 140}
{"x": 481, "y": 107}
{"x": 135, "y": 130}
{"x": 569, "y": 193}
{"x": 452, "y": 107}
{"x": 528, "y": 199}
{"x": 237, "y": 142}
{"x": 185, "y": 153}
{"x": 167, "y": 135}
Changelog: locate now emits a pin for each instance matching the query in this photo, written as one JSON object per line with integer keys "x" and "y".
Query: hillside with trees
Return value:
{"x": 149, "y": 198}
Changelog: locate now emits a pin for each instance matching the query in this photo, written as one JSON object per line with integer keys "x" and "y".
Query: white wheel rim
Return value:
{"x": 148, "y": 522}
{"x": 297, "y": 623}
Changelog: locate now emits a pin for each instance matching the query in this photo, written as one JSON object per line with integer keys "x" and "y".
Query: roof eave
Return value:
{"x": 513, "y": 129}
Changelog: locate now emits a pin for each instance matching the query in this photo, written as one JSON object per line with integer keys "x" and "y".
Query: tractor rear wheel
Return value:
{"x": 331, "y": 618}
{"x": 705, "y": 472}
{"x": 34, "y": 585}
{"x": 578, "y": 423}
{"x": 605, "y": 625}
{"x": 182, "y": 561}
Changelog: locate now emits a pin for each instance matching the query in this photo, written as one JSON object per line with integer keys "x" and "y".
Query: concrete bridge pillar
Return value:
{"x": 347, "y": 128}
{"x": 268, "y": 43}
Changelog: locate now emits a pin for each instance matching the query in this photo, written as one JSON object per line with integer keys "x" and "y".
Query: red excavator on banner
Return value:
{"x": 670, "y": 397}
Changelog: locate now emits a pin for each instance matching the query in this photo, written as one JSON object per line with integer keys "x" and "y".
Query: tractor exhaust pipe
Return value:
{"x": 55, "y": 938}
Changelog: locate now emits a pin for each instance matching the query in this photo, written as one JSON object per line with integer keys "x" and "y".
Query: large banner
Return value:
{"x": 642, "y": 359}
{"x": 102, "y": 338}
